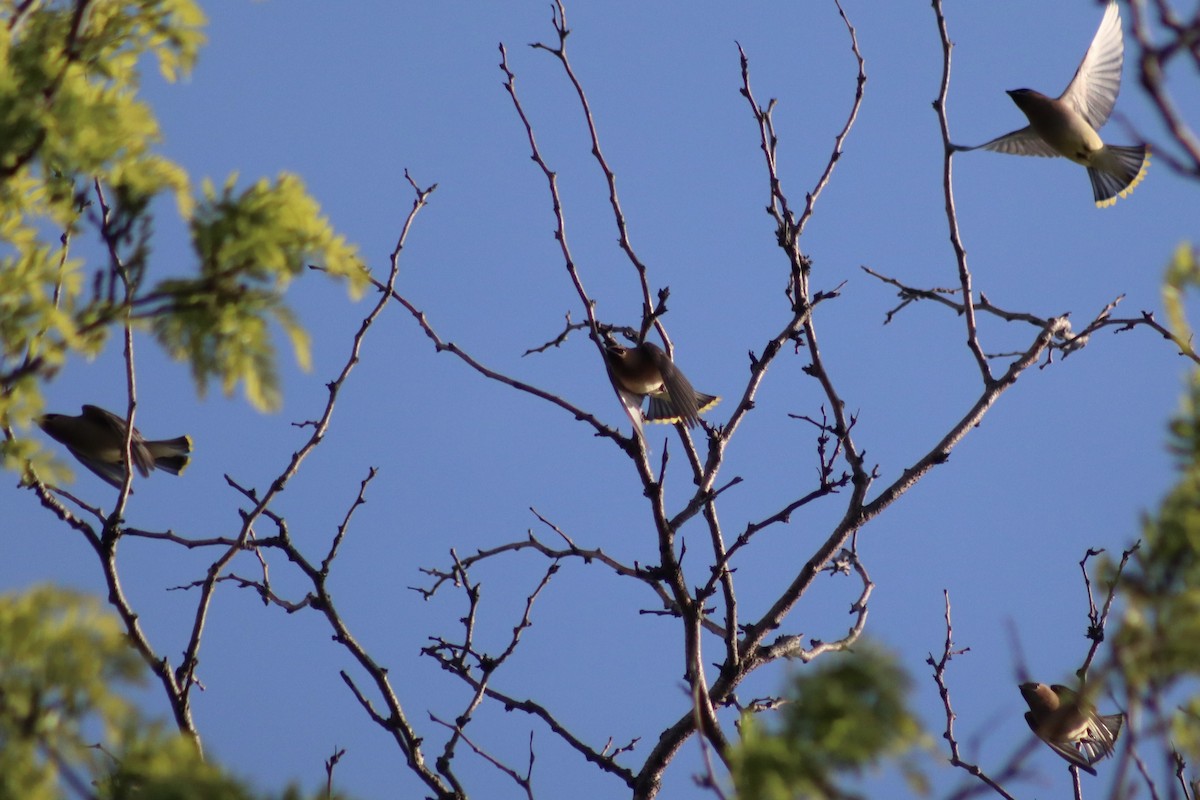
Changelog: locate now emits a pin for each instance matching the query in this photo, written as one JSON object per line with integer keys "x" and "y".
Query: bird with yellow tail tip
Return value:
{"x": 646, "y": 371}
{"x": 1070, "y": 725}
{"x": 97, "y": 439}
{"x": 1066, "y": 125}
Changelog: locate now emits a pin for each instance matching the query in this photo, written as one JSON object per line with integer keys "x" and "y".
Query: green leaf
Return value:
{"x": 843, "y": 716}
{"x": 250, "y": 245}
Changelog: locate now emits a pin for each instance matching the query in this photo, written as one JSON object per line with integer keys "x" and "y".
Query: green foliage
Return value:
{"x": 1159, "y": 633}
{"x": 63, "y": 722}
{"x": 844, "y": 715}
{"x": 61, "y": 658}
{"x": 168, "y": 768}
{"x": 79, "y": 174}
{"x": 70, "y": 117}
{"x": 250, "y": 244}
{"x": 1156, "y": 641}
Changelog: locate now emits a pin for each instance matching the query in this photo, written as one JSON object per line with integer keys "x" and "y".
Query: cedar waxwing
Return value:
{"x": 97, "y": 438}
{"x": 1070, "y": 726}
{"x": 646, "y": 370}
{"x": 1066, "y": 126}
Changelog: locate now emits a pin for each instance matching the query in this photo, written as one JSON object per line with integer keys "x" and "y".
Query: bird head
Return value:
{"x": 1024, "y": 98}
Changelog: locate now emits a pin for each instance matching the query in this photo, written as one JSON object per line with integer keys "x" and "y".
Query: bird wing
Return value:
{"x": 1112, "y": 725}
{"x": 1023, "y": 142}
{"x": 632, "y": 403}
{"x": 1064, "y": 749}
{"x": 1093, "y": 90}
{"x": 1068, "y": 751}
{"x": 141, "y": 454}
{"x": 680, "y": 391}
{"x": 112, "y": 474}
{"x": 105, "y": 418}
{"x": 1101, "y": 738}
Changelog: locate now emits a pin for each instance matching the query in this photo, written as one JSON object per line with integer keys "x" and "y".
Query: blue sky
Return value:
{"x": 350, "y": 95}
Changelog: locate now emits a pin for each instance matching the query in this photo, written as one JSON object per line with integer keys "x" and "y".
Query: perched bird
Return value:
{"x": 97, "y": 438}
{"x": 1066, "y": 126}
{"x": 646, "y": 370}
{"x": 1069, "y": 725}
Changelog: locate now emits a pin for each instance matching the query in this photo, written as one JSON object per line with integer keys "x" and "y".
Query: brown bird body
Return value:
{"x": 97, "y": 439}
{"x": 646, "y": 371}
{"x": 1069, "y": 725}
{"x": 1067, "y": 125}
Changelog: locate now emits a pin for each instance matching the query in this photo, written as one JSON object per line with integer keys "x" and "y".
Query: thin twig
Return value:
{"x": 939, "y": 677}
{"x": 960, "y": 252}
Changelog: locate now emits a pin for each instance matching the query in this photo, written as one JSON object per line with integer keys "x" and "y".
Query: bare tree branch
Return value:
{"x": 960, "y": 252}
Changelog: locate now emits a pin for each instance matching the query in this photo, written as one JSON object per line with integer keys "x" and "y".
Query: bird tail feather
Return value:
{"x": 1117, "y": 171}
{"x": 171, "y": 455}
{"x": 663, "y": 410}
{"x": 706, "y": 401}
